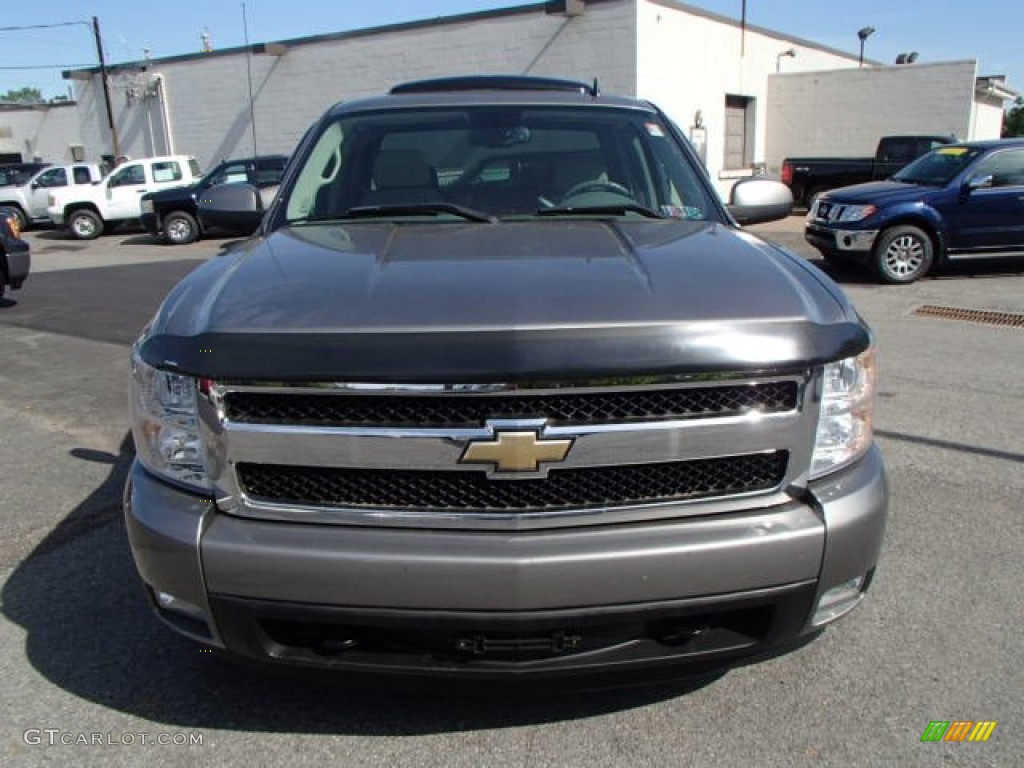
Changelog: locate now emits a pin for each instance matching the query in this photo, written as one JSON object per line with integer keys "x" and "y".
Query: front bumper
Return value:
{"x": 486, "y": 604}
{"x": 853, "y": 242}
{"x": 19, "y": 262}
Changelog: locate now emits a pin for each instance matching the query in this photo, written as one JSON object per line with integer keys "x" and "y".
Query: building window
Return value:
{"x": 739, "y": 132}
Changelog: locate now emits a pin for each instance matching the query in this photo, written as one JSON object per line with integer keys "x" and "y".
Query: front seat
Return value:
{"x": 402, "y": 176}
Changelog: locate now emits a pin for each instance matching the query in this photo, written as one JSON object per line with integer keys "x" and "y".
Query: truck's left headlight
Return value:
{"x": 165, "y": 425}
{"x": 856, "y": 212}
{"x": 845, "y": 423}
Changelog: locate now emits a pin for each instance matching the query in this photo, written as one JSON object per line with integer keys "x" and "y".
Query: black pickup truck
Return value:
{"x": 808, "y": 177}
{"x": 172, "y": 212}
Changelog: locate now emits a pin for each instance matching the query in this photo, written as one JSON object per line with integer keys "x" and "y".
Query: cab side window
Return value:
{"x": 166, "y": 171}
{"x": 1006, "y": 168}
{"x": 129, "y": 176}
{"x": 55, "y": 177}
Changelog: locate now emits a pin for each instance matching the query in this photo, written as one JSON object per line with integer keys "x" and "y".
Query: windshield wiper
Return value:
{"x": 399, "y": 209}
{"x": 614, "y": 209}
{"x": 416, "y": 209}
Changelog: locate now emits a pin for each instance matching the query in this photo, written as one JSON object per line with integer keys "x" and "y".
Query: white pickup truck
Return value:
{"x": 29, "y": 200}
{"x": 86, "y": 211}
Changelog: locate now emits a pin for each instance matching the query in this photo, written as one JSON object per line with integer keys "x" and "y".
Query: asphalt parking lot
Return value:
{"x": 938, "y": 638}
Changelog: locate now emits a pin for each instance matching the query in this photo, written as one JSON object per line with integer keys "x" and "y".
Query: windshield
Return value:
{"x": 486, "y": 162}
{"x": 938, "y": 167}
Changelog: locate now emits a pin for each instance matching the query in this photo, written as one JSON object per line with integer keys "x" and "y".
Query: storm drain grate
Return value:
{"x": 988, "y": 317}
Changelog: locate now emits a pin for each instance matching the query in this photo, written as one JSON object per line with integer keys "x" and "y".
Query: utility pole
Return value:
{"x": 743, "y": 31}
{"x": 106, "y": 88}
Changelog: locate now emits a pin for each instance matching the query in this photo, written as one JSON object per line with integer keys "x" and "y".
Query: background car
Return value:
{"x": 957, "y": 202}
{"x": 15, "y": 259}
{"x": 18, "y": 173}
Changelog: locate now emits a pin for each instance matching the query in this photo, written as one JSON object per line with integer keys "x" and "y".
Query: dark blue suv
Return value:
{"x": 959, "y": 201}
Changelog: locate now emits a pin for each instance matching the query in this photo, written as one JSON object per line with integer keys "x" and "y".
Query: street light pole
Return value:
{"x": 864, "y": 33}
{"x": 778, "y": 59}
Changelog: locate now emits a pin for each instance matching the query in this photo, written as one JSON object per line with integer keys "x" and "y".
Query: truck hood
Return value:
{"x": 879, "y": 193}
{"x": 470, "y": 301}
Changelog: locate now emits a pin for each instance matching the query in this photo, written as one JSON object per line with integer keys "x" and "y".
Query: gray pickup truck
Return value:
{"x": 29, "y": 200}
{"x": 499, "y": 389}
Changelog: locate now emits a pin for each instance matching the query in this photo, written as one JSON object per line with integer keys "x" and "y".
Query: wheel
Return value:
{"x": 20, "y": 216}
{"x": 596, "y": 186}
{"x": 85, "y": 224}
{"x": 180, "y": 227}
{"x": 903, "y": 254}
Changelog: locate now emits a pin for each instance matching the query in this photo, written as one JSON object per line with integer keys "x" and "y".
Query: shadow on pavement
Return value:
{"x": 90, "y": 632}
{"x": 109, "y": 304}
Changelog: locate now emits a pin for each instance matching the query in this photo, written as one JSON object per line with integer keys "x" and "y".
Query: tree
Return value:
{"x": 25, "y": 95}
{"x": 1013, "y": 121}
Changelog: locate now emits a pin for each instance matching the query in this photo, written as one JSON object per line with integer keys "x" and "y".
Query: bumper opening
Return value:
{"x": 471, "y": 645}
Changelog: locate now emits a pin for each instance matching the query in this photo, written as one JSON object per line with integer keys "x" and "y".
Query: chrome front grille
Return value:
{"x": 342, "y": 409}
{"x": 398, "y": 454}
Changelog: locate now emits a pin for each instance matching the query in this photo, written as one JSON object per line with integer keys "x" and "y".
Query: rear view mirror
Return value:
{"x": 754, "y": 200}
{"x": 236, "y": 207}
{"x": 980, "y": 182}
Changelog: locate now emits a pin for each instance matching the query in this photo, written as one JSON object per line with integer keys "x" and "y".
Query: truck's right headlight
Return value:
{"x": 845, "y": 423}
{"x": 147, "y": 206}
{"x": 165, "y": 425}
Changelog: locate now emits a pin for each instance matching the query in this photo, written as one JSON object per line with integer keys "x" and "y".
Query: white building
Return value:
{"x": 715, "y": 76}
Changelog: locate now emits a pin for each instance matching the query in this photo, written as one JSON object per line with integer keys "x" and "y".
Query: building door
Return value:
{"x": 739, "y": 132}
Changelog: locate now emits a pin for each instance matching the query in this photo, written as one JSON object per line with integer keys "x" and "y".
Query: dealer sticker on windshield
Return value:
{"x": 951, "y": 151}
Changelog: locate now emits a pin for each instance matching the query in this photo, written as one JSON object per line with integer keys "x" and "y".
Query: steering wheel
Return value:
{"x": 597, "y": 185}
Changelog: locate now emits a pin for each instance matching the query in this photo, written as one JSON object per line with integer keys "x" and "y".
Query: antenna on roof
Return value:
{"x": 595, "y": 90}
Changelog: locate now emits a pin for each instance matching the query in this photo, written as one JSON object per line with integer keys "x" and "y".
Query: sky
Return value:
{"x": 939, "y": 30}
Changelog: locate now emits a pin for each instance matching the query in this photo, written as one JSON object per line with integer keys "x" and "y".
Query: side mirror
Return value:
{"x": 237, "y": 207}
{"x": 979, "y": 182}
{"x": 757, "y": 200}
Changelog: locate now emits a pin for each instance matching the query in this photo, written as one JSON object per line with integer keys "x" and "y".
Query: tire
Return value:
{"x": 903, "y": 254}
{"x": 23, "y": 222}
{"x": 180, "y": 228}
{"x": 85, "y": 224}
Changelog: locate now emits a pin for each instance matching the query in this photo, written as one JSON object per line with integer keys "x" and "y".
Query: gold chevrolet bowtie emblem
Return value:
{"x": 516, "y": 451}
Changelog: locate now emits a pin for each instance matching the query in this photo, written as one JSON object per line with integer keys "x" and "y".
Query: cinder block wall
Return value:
{"x": 844, "y": 113}
{"x": 689, "y": 60}
{"x": 46, "y": 132}
{"x": 208, "y": 95}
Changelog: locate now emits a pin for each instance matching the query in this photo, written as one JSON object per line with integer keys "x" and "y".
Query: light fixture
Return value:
{"x": 791, "y": 53}
{"x": 864, "y": 33}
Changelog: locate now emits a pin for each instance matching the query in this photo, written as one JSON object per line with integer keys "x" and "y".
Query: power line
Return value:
{"x": 44, "y": 26}
{"x": 53, "y": 66}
